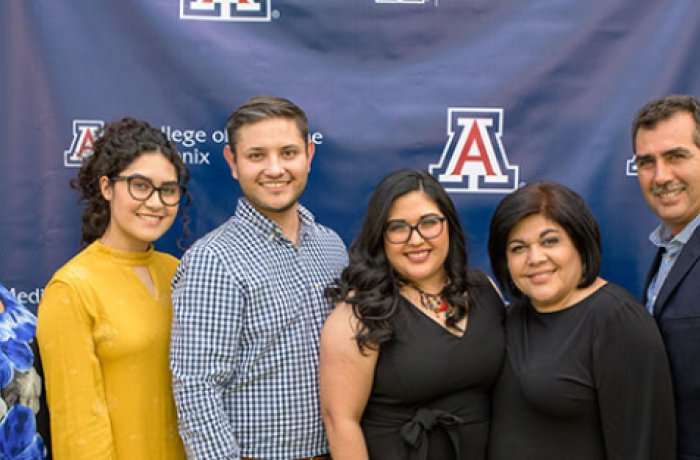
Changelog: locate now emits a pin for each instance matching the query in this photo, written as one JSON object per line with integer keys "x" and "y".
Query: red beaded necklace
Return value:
{"x": 432, "y": 302}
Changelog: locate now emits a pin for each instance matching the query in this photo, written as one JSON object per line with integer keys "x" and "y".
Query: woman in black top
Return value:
{"x": 586, "y": 375}
{"x": 410, "y": 353}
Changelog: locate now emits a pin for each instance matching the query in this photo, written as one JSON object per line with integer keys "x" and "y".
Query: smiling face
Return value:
{"x": 271, "y": 164}
{"x": 419, "y": 260}
{"x": 668, "y": 169}
{"x": 544, "y": 263}
{"x": 135, "y": 224}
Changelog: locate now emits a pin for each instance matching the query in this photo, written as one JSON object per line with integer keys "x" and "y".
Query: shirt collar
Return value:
{"x": 267, "y": 226}
{"x": 663, "y": 237}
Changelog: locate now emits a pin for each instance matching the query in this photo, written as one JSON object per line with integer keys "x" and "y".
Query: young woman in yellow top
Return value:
{"x": 104, "y": 320}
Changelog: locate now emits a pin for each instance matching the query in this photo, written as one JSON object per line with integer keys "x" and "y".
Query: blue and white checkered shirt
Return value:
{"x": 248, "y": 310}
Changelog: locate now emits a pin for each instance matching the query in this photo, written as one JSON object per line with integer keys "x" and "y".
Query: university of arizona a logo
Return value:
{"x": 473, "y": 159}
{"x": 631, "y": 167}
{"x": 226, "y": 10}
{"x": 84, "y": 134}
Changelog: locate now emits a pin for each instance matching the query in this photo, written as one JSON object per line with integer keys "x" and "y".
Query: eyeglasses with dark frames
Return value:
{"x": 428, "y": 227}
{"x": 141, "y": 188}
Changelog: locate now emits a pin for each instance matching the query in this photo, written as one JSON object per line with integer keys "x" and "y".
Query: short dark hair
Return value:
{"x": 119, "y": 144}
{"x": 663, "y": 109}
{"x": 555, "y": 202}
{"x": 371, "y": 285}
{"x": 259, "y": 108}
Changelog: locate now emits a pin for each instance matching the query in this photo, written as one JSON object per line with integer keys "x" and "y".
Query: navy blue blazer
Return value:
{"x": 677, "y": 312}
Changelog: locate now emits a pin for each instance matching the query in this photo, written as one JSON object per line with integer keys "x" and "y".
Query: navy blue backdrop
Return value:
{"x": 486, "y": 94}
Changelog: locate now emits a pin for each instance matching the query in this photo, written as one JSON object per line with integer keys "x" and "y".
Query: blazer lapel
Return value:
{"x": 686, "y": 259}
{"x": 652, "y": 272}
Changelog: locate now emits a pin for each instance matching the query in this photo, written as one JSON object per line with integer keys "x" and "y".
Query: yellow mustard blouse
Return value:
{"x": 104, "y": 341}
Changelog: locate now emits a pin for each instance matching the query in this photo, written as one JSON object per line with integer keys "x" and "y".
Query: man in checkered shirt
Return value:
{"x": 249, "y": 305}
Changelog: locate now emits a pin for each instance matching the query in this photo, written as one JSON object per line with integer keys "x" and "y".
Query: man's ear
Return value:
{"x": 310, "y": 150}
{"x": 231, "y": 160}
{"x": 106, "y": 188}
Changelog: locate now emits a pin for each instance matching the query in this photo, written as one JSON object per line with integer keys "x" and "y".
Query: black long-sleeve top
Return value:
{"x": 589, "y": 382}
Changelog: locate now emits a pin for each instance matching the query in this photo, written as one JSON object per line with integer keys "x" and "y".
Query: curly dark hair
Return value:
{"x": 371, "y": 285}
{"x": 557, "y": 203}
{"x": 118, "y": 145}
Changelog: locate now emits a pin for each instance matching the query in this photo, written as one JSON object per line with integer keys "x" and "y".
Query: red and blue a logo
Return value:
{"x": 473, "y": 159}
{"x": 226, "y": 10}
{"x": 84, "y": 134}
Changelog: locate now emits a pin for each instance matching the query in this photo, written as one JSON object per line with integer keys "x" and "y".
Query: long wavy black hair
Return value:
{"x": 118, "y": 145}
{"x": 371, "y": 285}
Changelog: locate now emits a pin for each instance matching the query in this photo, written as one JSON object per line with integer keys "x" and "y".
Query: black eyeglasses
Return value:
{"x": 428, "y": 227}
{"x": 141, "y": 188}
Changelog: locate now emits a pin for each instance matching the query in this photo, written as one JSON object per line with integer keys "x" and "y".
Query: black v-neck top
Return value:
{"x": 590, "y": 382}
{"x": 431, "y": 393}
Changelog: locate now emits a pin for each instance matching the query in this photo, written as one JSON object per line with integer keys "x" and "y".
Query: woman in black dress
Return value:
{"x": 585, "y": 375}
{"x": 410, "y": 353}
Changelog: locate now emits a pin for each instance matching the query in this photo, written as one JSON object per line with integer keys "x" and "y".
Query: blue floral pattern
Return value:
{"x": 19, "y": 439}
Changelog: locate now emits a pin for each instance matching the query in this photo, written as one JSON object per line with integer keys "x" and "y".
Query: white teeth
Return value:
{"x": 417, "y": 256}
{"x": 667, "y": 191}
{"x": 538, "y": 277}
{"x": 274, "y": 184}
{"x": 151, "y": 218}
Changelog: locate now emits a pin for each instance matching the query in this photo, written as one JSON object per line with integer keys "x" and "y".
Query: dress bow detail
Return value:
{"x": 415, "y": 432}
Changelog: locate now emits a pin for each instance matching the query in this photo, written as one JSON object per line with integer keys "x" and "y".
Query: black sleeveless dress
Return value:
{"x": 431, "y": 393}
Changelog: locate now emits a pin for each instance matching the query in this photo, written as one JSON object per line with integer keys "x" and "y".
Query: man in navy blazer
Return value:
{"x": 666, "y": 138}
